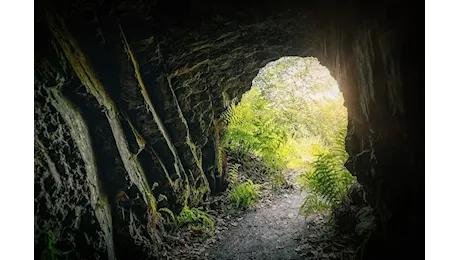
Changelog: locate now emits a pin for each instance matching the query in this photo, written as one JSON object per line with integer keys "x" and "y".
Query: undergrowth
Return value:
{"x": 252, "y": 129}
{"x": 244, "y": 194}
{"x": 195, "y": 219}
{"x": 328, "y": 180}
{"x": 292, "y": 118}
{"x": 51, "y": 252}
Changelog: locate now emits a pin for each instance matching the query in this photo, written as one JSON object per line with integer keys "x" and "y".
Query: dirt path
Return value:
{"x": 271, "y": 230}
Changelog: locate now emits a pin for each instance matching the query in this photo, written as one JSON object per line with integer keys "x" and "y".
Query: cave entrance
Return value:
{"x": 288, "y": 131}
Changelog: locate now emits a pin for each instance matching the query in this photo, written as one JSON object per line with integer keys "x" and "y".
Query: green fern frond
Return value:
{"x": 194, "y": 218}
{"x": 170, "y": 214}
{"x": 232, "y": 114}
{"x": 51, "y": 252}
{"x": 253, "y": 128}
{"x": 313, "y": 203}
{"x": 233, "y": 172}
{"x": 329, "y": 179}
{"x": 244, "y": 195}
{"x": 162, "y": 197}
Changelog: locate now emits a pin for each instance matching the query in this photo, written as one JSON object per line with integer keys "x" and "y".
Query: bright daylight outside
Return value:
{"x": 293, "y": 123}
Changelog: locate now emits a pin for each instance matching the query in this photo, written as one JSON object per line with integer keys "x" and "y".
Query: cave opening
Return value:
{"x": 284, "y": 139}
{"x": 157, "y": 127}
{"x": 293, "y": 122}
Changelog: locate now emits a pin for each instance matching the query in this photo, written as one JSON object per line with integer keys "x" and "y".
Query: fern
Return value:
{"x": 329, "y": 180}
{"x": 233, "y": 173}
{"x": 196, "y": 220}
{"x": 232, "y": 114}
{"x": 252, "y": 128}
{"x": 171, "y": 219}
{"x": 312, "y": 204}
{"x": 193, "y": 218}
{"x": 244, "y": 195}
{"x": 241, "y": 195}
{"x": 51, "y": 252}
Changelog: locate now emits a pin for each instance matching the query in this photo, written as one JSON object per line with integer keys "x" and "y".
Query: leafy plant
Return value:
{"x": 300, "y": 152}
{"x": 196, "y": 220}
{"x": 233, "y": 173}
{"x": 51, "y": 252}
{"x": 312, "y": 204}
{"x": 244, "y": 195}
{"x": 170, "y": 218}
{"x": 241, "y": 194}
{"x": 292, "y": 118}
{"x": 329, "y": 180}
{"x": 252, "y": 128}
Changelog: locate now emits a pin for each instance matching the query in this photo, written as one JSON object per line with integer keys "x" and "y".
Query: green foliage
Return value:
{"x": 233, "y": 173}
{"x": 196, "y": 220}
{"x": 313, "y": 203}
{"x": 197, "y": 193}
{"x": 304, "y": 93}
{"x": 293, "y": 117}
{"x": 243, "y": 195}
{"x": 328, "y": 179}
{"x": 299, "y": 153}
{"x": 170, "y": 218}
{"x": 51, "y": 252}
{"x": 291, "y": 113}
{"x": 252, "y": 128}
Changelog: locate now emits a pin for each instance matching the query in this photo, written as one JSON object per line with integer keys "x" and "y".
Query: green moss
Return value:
{"x": 51, "y": 252}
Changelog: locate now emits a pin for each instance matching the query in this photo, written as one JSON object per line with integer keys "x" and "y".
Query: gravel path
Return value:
{"x": 269, "y": 231}
{"x": 272, "y": 230}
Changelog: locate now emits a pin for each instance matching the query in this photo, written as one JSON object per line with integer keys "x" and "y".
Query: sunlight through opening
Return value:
{"x": 293, "y": 121}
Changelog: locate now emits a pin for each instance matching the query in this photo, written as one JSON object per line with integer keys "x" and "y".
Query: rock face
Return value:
{"x": 128, "y": 96}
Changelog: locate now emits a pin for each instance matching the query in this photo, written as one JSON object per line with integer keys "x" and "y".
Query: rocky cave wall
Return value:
{"x": 128, "y": 97}
{"x": 375, "y": 52}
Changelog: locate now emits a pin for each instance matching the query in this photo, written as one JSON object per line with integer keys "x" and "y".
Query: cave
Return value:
{"x": 127, "y": 97}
